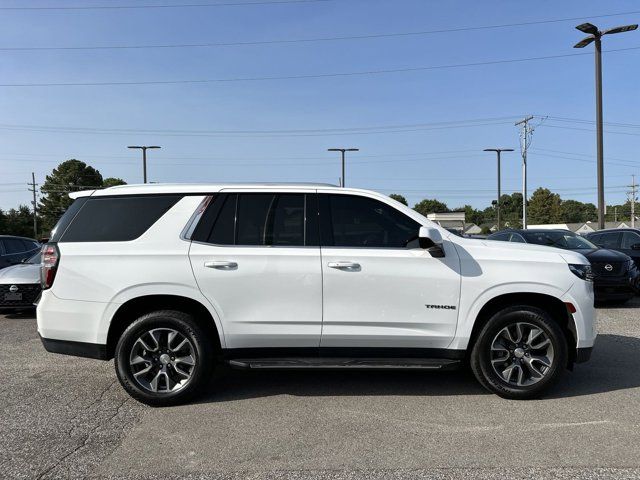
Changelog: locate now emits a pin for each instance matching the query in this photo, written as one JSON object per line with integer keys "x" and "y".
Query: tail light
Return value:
{"x": 50, "y": 260}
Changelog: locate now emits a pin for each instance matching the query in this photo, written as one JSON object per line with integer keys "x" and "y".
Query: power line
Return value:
{"x": 313, "y": 40}
{"x": 309, "y": 76}
{"x": 184, "y": 5}
{"x": 367, "y": 130}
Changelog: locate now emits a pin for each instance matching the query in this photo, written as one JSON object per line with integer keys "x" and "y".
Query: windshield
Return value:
{"x": 35, "y": 259}
{"x": 566, "y": 240}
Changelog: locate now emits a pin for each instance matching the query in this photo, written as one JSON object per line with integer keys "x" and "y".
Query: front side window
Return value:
{"x": 629, "y": 239}
{"x": 13, "y": 245}
{"x": 353, "y": 221}
{"x": 260, "y": 219}
{"x": 610, "y": 240}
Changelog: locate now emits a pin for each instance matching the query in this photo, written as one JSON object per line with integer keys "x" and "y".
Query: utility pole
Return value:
{"x": 342, "y": 150}
{"x": 596, "y": 35}
{"x": 33, "y": 186}
{"x": 498, "y": 152}
{"x": 525, "y": 142}
{"x": 144, "y": 158}
{"x": 632, "y": 199}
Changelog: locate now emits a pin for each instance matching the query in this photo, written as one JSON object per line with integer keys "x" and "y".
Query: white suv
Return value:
{"x": 175, "y": 281}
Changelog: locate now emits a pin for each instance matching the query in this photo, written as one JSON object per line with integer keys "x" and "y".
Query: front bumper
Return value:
{"x": 28, "y": 293}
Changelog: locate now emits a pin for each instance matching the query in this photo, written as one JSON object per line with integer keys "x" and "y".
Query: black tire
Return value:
{"x": 200, "y": 346}
{"x": 480, "y": 360}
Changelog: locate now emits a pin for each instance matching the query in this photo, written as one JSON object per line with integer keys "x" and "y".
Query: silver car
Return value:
{"x": 20, "y": 284}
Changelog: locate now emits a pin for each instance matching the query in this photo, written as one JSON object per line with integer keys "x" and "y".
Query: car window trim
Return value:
{"x": 324, "y": 210}
{"x": 225, "y": 192}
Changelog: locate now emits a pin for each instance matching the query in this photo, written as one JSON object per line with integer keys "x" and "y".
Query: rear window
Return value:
{"x": 113, "y": 219}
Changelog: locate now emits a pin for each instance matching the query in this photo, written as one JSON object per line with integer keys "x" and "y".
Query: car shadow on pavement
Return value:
{"x": 28, "y": 314}
{"x": 613, "y": 366}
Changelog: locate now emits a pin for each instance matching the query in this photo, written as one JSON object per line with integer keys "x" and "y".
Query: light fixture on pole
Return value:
{"x": 596, "y": 35}
{"x": 144, "y": 158}
{"x": 498, "y": 152}
{"x": 342, "y": 150}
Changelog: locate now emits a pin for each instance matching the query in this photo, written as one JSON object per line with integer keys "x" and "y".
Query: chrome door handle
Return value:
{"x": 344, "y": 265}
{"x": 221, "y": 265}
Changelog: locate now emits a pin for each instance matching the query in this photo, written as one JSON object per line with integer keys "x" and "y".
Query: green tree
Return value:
{"x": 427, "y": 206}
{"x": 544, "y": 207}
{"x": 17, "y": 221}
{"x": 510, "y": 211}
{"x": 472, "y": 215}
{"x": 112, "y": 182}
{"x": 70, "y": 176}
{"x": 399, "y": 198}
{"x": 573, "y": 211}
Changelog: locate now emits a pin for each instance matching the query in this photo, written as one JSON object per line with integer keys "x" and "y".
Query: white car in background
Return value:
{"x": 173, "y": 280}
{"x": 20, "y": 284}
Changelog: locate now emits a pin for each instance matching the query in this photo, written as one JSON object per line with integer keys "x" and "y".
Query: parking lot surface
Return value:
{"x": 66, "y": 417}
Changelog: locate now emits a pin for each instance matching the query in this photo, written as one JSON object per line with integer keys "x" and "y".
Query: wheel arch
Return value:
{"x": 555, "y": 307}
{"x": 134, "y": 308}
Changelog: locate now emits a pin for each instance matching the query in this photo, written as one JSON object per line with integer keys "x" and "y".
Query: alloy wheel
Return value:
{"x": 162, "y": 360}
{"x": 522, "y": 354}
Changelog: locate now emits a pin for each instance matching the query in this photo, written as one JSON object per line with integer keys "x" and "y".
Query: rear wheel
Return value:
{"x": 519, "y": 353}
{"x": 163, "y": 358}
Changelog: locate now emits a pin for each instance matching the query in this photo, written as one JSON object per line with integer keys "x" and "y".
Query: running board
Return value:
{"x": 339, "y": 363}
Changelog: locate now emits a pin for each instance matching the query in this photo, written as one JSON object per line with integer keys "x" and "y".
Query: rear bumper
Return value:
{"x": 583, "y": 354}
{"x": 77, "y": 349}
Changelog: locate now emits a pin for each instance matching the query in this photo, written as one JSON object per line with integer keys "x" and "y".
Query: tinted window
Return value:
{"x": 354, "y": 221}
{"x": 117, "y": 219}
{"x": 66, "y": 218}
{"x": 595, "y": 238}
{"x": 502, "y": 237}
{"x": 13, "y": 245}
{"x": 29, "y": 245}
{"x": 516, "y": 237}
{"x": 629, "y": 239}
{"x": 259, "y": 219}
{"x": 566, "y": 240}
{"x": 610, "y": 240}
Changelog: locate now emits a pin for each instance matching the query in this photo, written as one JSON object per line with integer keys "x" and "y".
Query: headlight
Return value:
{"x": 582, "y": 271}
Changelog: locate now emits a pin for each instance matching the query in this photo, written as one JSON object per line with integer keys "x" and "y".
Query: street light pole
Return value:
{"x": 498, "y": 152}
{"x": 595, "y": 35}
{"x": 144, "y": 158}
{"x": 342, "y": 150}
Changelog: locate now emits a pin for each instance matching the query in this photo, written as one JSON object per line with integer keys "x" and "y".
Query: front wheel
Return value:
{"x": 519, "y": 353}
{"x": 163, "y": 358}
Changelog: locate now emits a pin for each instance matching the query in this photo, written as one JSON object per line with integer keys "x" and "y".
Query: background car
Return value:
{"x": 20, "y": 284}
{"x": 616, "y": 276}
{"x": 625, "y": 240}
{"x": 14, "y": 250}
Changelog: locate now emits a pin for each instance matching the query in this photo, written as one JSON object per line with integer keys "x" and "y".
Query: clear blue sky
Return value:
{"x": 418, "y": 161}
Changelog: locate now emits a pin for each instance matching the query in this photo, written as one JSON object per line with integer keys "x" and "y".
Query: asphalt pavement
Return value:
{"x": 66, "y": 417}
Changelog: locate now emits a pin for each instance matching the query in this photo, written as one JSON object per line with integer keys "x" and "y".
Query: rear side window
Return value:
{"x": 260, "y": 219}
{"x": 116, "y": 219}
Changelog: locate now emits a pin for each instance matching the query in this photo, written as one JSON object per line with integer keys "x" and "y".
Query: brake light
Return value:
{"x": 50, "y": 260}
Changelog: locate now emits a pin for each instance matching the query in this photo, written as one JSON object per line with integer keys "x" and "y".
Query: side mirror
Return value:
{"x": 431, "y": 240}
{"x": 635, "y": 246}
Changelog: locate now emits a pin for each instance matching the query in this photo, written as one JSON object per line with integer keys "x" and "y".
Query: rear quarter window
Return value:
{"x": 115, "y": 219}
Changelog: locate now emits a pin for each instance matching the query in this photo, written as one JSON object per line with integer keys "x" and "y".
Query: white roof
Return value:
{"x": 149, "y": 188}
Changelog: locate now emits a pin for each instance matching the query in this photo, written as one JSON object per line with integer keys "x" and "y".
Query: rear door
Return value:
{"x": 380, "y": 289}
{"x": 256, "y": 257}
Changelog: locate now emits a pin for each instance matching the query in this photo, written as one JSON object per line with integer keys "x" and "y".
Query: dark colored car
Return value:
{"x": 625, "y": 240}
{"x": 616, "y": 276}
{"x": 14, "y": 250}
{"x": 20, "y": 284}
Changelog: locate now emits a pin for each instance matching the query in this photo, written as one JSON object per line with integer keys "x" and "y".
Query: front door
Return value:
{"x": 380, "y": 289}
{"x": 257, "y": 260}
{"x": 629, "y": 241}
